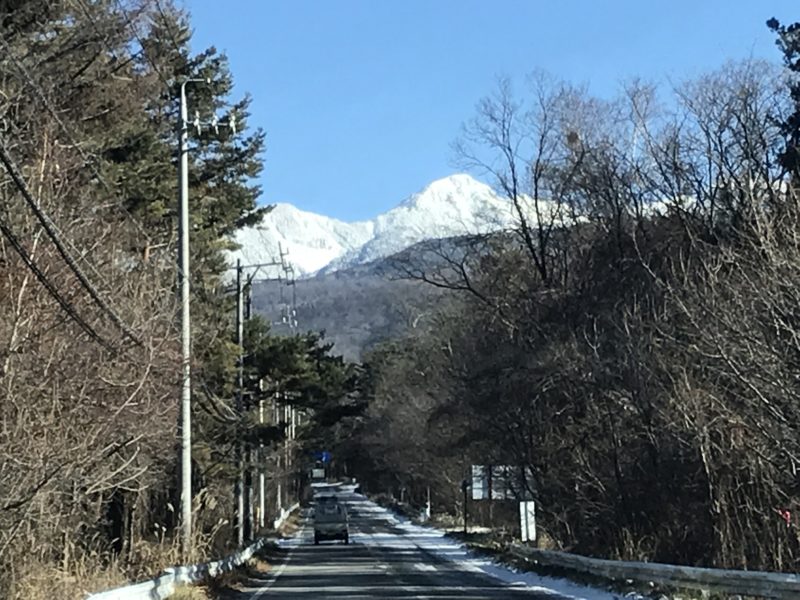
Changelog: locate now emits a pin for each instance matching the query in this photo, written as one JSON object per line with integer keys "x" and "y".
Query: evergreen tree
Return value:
{"x": 789, "y": 43}
{"x": 89, "y": 98}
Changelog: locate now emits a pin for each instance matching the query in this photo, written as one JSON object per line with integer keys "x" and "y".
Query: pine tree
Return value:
{"x": 89, "y": 104}
{"x": 789, "y": 43}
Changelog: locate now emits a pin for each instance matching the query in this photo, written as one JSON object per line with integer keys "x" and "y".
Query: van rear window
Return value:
{"x": 329, "y": 513}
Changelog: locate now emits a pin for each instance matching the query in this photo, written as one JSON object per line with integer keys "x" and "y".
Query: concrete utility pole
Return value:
{"x": 249, "y": 517}
{"x": 240, "y": 515}
{"x": 244, "y": 491}
{"x": 186, "y": 336}
{"x": 261, "y": 475}
{"x": 465, "y": 489}
{"x": 276, "y": 411}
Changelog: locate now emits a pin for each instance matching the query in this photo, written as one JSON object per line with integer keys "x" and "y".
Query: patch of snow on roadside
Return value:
{"x": 434, "y": 541}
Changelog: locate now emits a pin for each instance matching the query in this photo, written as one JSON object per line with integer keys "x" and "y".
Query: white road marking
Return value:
{"x": 280, "y": 570}
{"x": 424, "y": 567}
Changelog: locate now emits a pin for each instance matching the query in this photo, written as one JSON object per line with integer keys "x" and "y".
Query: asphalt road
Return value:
{"x": 381, "y": 561}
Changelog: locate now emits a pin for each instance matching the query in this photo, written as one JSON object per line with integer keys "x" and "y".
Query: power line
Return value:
{"x": 48, "y": 285}
{"x": 51, "y": 233}
{"x": 88, "y": 160}
{"x": 49, "y": 225}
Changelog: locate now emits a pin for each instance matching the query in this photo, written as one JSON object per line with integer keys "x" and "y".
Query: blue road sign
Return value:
{"x": 323, "y": 456}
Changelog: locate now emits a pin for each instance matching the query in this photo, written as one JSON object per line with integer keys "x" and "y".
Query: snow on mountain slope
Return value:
{"x": 312, "y": 241}
{"x": 455, "y": 205}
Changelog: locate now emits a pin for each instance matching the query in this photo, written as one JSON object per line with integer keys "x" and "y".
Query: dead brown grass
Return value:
{"x": 261, "y": 566}
{"x": 291, "y": 525}
{"x": 93, "y": 573}
{"x": 255, "y": 569}
{"x": 44, "y": 582}
{"x": 191, "y": 593}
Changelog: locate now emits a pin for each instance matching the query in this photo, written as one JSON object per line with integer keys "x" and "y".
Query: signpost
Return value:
{"x": 464, "y": 488}
{"x": 323, "y": 456}
{"x": 323, "y": 459}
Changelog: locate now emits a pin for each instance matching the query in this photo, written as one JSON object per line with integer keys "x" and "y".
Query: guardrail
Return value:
{"x": 285, "y": 512}
{"x": 163, "y": 586}
{"x": 749, "y": 583}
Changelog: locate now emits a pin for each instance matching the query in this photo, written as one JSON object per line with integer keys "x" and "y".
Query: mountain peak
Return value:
{"x": 447, "y": 207}
{"x": 455, "y": 187}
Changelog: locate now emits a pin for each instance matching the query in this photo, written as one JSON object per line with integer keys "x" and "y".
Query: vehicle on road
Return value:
{"x": 331, "y": 522}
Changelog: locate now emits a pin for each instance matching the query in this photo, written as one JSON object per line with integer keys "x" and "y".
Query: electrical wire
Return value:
{"x": 53, "y": 291}
{"x": 49, "y": 225}
{"x": 46, "y": 223}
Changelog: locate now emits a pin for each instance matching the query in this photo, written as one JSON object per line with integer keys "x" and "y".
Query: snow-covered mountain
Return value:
{"x": 312, "y": 241}
{"x": 455, "y": 205}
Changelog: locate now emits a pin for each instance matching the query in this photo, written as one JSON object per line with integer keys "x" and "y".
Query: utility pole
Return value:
{"x": 465, "y": 489}
{"x": 287, "y": 440}
{"x": 249, "y": 521}
{"x": 428, "y": 506}
{"x": 244, "y": 487}
{"x": 261, "y": 475}
{"x": 186, "y": 332}
{"x": 186, "y": 336}
{"x": 277, "y": 420}
{"x": 292, "y": 438}
{"x": 239, "y": 405}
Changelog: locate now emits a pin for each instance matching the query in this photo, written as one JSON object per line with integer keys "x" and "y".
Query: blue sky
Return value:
{"x": 361, "y": 99}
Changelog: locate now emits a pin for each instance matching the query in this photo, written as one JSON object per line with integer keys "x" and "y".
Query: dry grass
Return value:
{"x": 261, "y": 566}
{"x": 191, "y": 593}
{"x": 256, "y": 567}
{"x": 44, "y": 582}
{"x": 291, "y": 525}
{"x": 38, "y": 580}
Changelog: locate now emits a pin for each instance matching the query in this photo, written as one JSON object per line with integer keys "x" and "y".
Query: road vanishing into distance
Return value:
{"x": 382, "y": 560}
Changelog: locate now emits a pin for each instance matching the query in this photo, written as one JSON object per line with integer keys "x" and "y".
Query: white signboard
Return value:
{"x": 527, "y": 521}
{"x": 480, "y": 483}
{"x": 501, "y": 482}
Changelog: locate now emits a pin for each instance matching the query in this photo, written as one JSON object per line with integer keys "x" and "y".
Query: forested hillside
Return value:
{"x": 635, "y": 342}
{"x": 359, "y": 307}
